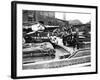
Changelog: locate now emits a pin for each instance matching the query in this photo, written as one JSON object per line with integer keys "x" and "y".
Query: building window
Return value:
{"x": 30, "y": 19}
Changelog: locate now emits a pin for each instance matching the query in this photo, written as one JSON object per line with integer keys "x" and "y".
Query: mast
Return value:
{"x": 64, "y": 16}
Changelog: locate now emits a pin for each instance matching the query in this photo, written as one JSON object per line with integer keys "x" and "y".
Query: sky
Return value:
{"x": 84, "y": 18}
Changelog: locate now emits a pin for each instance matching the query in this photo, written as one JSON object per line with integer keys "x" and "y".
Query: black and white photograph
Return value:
{"x": 60, "y": 38}
{"x": 53, "y": 40}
